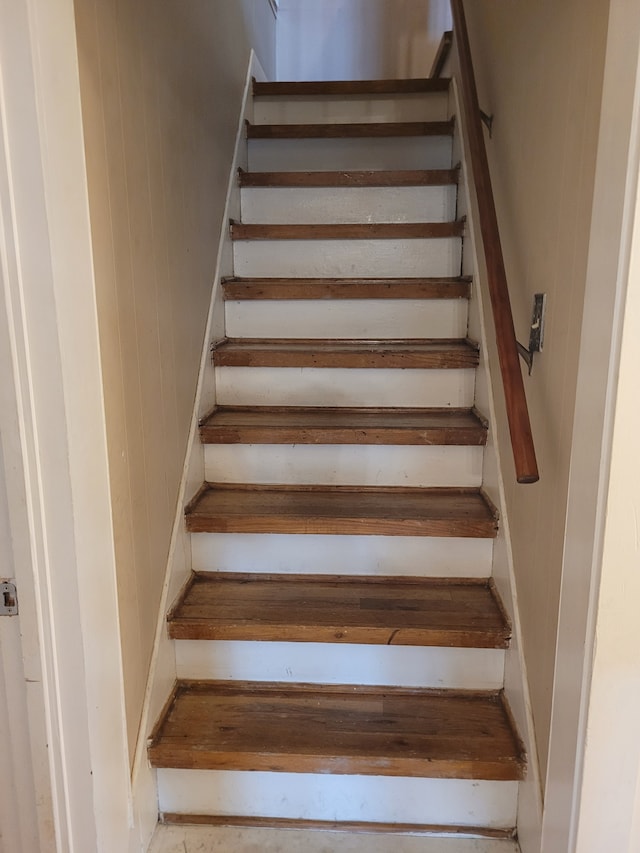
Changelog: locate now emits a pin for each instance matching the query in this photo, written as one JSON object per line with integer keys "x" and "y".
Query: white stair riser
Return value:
{"x": 313, "y": 205}
{"x": 326, "y": 663}
{"x": 366, "y": 465}
{"x": 439, "y": 256}
{"x": 316, "y": 155}
{"x": 327, "y": 109}
{"x": 339, "y": 386}
{"x": 417, "y": 556}
{"x": 375, "y": 319}
{"x": 454, "y": 802}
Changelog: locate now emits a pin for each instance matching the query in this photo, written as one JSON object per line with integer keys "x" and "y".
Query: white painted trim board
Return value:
{"x": 67, "y": 581}
{"x": 612, "y": 240}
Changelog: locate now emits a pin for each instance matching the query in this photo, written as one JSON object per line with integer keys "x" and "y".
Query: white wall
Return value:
{"x": 359, "y": 39}
{"x": 594, "y": 771}
{"x": 611, "y": 237}
{"x": 608, "y": 816}
{"x": 540, "y": 70}
{"x": 161, "y": 87}
{"x": 55, "y": 452}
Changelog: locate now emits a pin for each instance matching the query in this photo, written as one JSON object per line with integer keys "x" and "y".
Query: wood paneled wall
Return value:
{"x": 161, "y": 88}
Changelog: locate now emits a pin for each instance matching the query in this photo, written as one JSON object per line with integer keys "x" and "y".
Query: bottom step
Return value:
{"x": 302, "y": 728}
{"x": 200, "y": 839}
{"x": 338, "y": 753}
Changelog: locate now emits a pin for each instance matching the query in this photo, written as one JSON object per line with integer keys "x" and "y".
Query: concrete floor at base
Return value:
{"x": 201, "y": 839}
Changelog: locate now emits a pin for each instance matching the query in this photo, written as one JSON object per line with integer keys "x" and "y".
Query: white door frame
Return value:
{"x": 57, "y": 478}
{"x": 26, "y": 816}
{"x": 608, "y": 279}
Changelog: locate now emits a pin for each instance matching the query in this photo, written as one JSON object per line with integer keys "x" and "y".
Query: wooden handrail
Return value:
{"x": 516, "y": 402}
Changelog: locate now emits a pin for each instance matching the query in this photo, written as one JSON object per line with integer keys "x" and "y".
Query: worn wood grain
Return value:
{"x": 458, "y": 287}
{"x": 350, "y": 87}
{"x": 392, "y": 511}
{"x": 338, "y": 729}
{"x": 347, "y": 230}
{"x": 370, "y": 178}
{"x": 438, "y": 353}
{"x": 340, "y": 609}
{"x": 349, "y": 130}
{"x": 249, "y": 821}
{"x": 328, "y": 425}
{"x": 524, "y": 456}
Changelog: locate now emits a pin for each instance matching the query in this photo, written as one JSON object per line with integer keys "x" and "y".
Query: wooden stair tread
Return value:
{"x": 394, "y": 511}
{"x": 347, "y": 230}
{"x": 330, "y": 609}
{"x": 456, "y": 287}
{"x": 369, "y": 178}
{"x": 349, "y": 130}
{"x": 308, "y": 425}
{"x": 436, "y": 353}
{"x": 351, "y": 87}
{"x": 337, "y": 729}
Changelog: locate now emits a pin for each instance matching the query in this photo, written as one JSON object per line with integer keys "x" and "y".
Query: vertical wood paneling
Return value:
{"x": 161, "y": 88}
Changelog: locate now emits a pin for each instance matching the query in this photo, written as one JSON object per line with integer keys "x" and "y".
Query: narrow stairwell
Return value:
{"x": 340, "y": 644}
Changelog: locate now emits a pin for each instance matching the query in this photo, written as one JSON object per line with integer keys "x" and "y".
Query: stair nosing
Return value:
{"x": 349, "y": 130}
{"x": 345, "y": 431}
{"x": 265, "y": 520}
{"x": 342, "y": 88}
{"x": 349, "y": 179}
{"x": 202, "y": 631}
{"x": 347, "y": 230}
{"x": 238, "y": 289}
{"x": 358, "y": 626}
{"x": 427, "y": 353}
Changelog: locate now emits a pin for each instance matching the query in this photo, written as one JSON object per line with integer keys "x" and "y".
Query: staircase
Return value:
{"x": 340, "y": 645}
